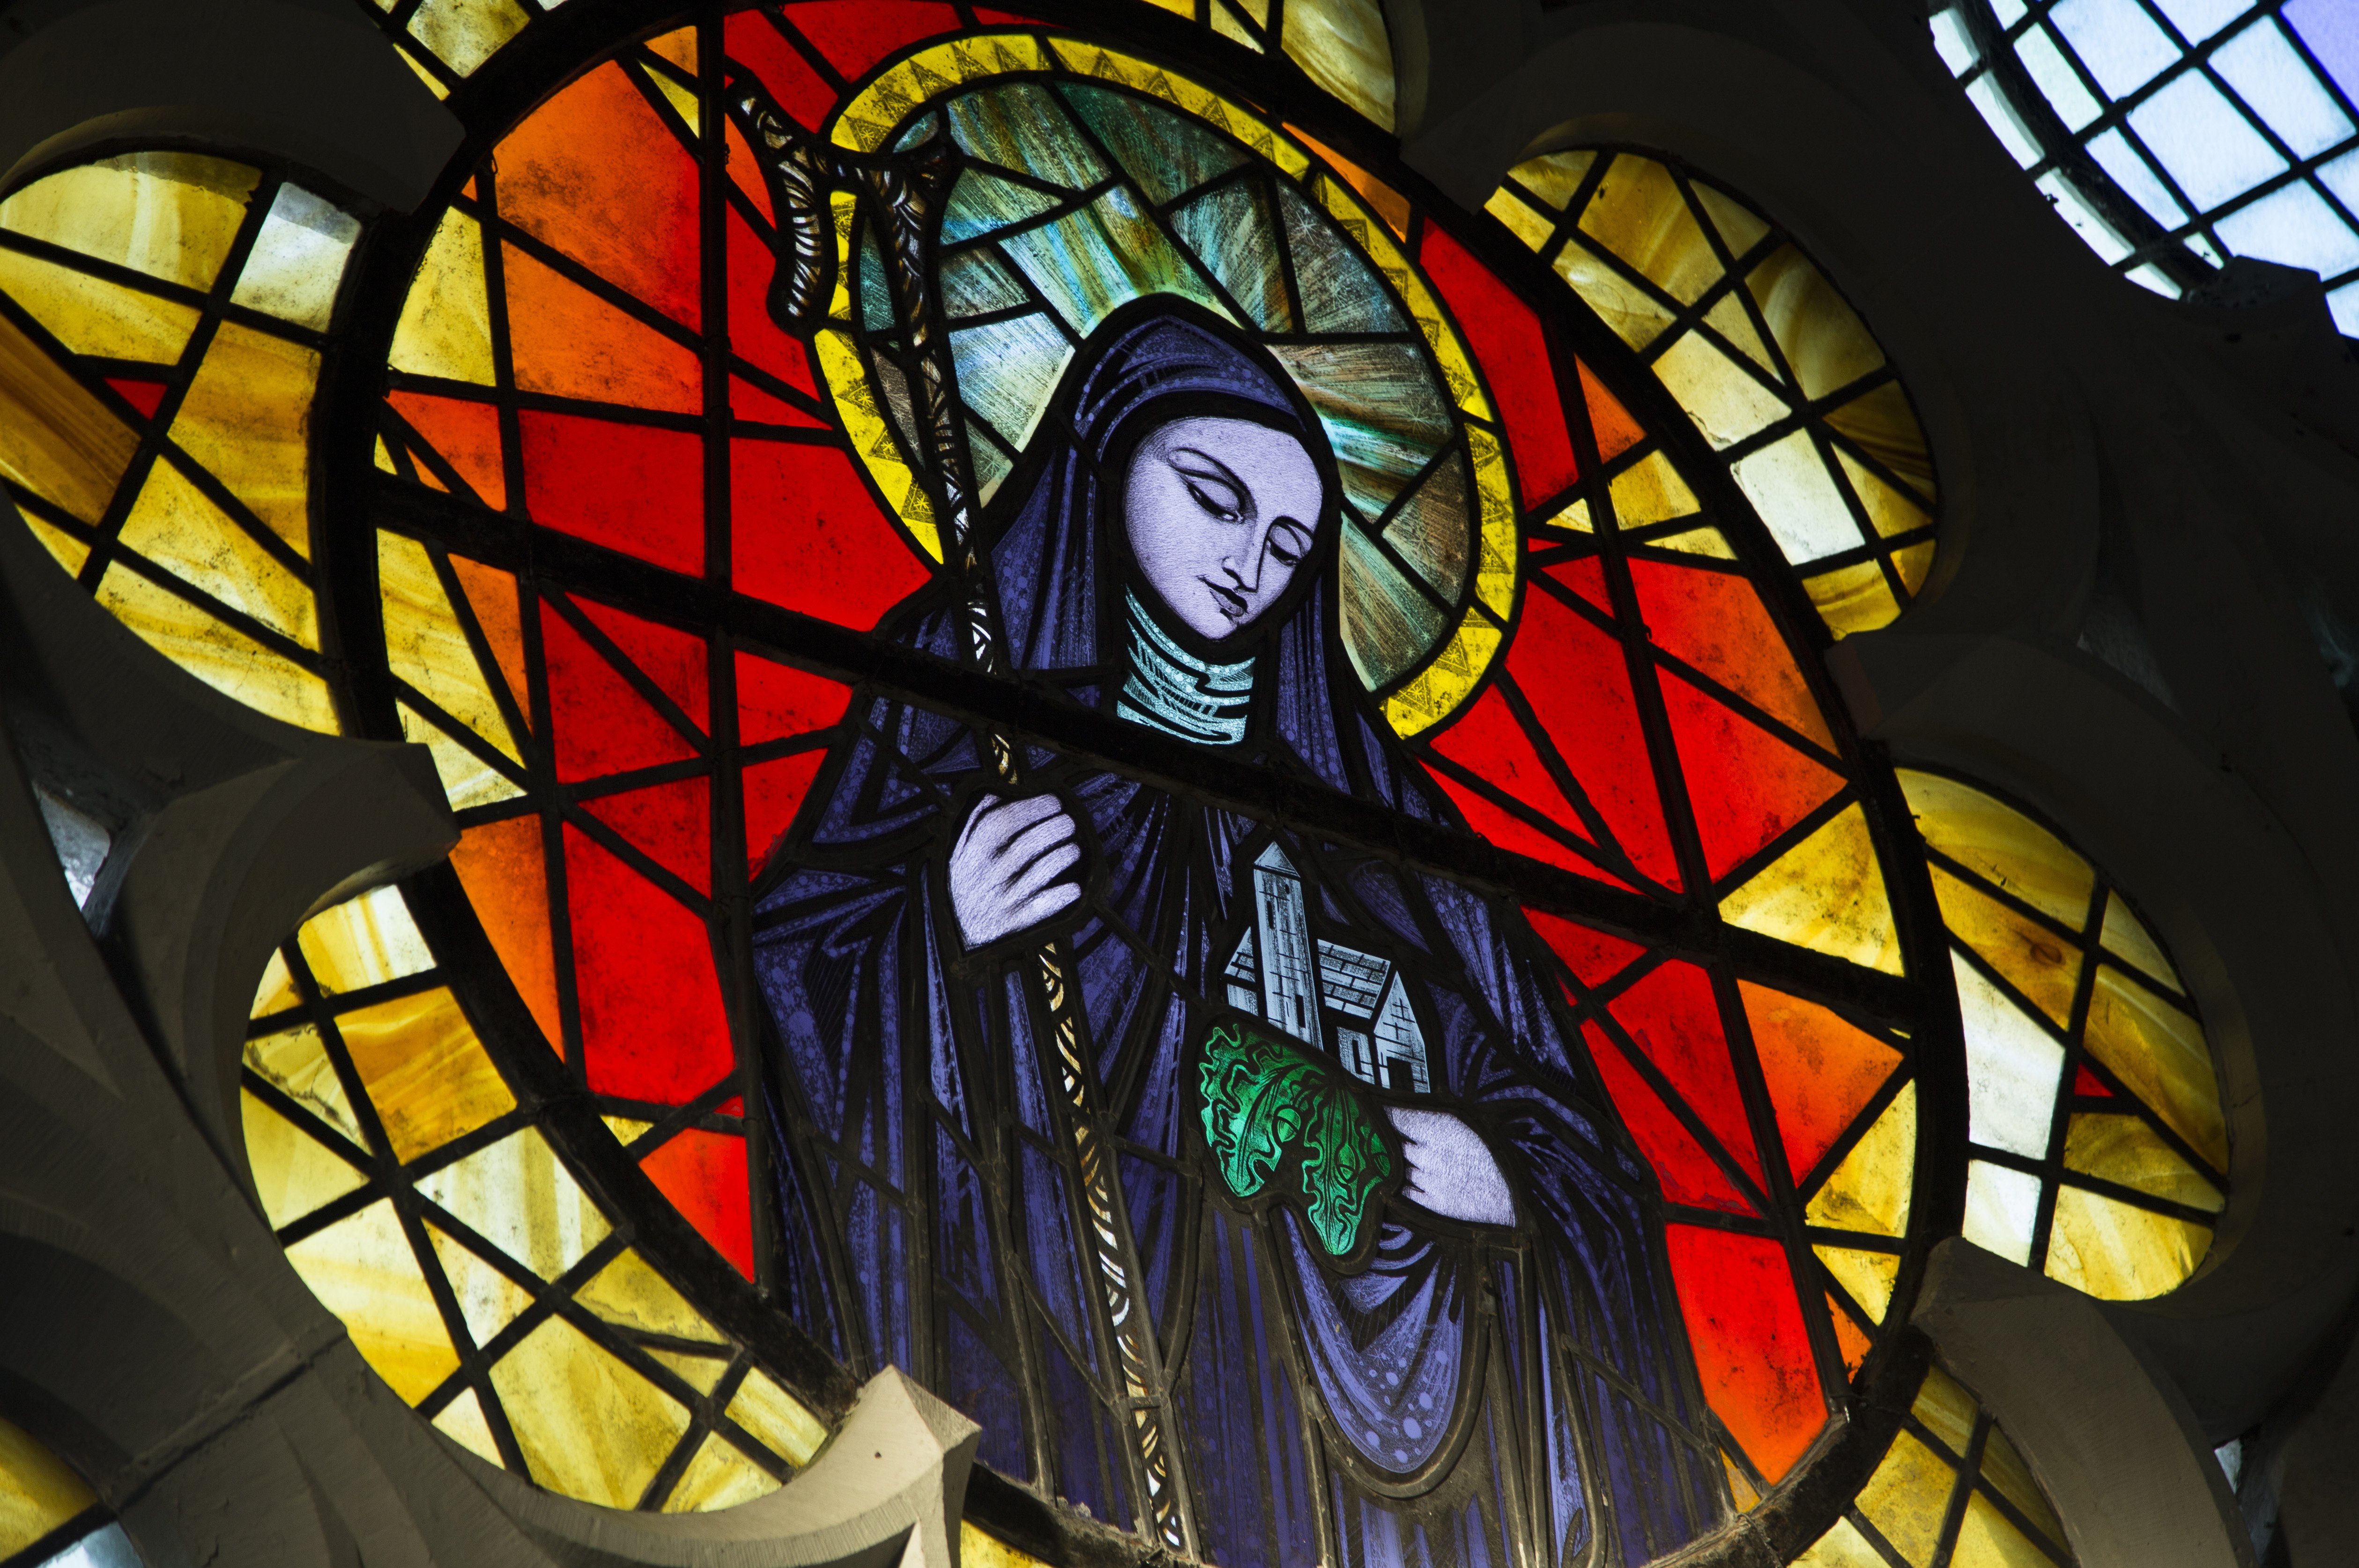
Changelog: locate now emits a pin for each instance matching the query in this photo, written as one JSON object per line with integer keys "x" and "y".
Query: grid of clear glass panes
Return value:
{"x": 2231, "y": 126}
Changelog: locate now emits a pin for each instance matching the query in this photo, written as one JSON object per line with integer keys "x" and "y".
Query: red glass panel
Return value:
{"x": 1716, "y": 622}
{"x": 671, "y": 824}
{"x": 775, "y": 701}
{"x": 1687, "y": 1174}
{"x": 1586, "y": 577}
{"x": 594, "y": 173}
{"x": 753, "y": 336}
{"x": 501, "y": 865}
{"x": 673, "y": 660}
{"x": 1579, "y": 687}
{"x": 1821, "y": 1071}
{"x": 145, "y": 395}
{"x": 1509, "y": 831}
{"x": 1848, "y": 1337}
{"x": 751, "y": 40}
{"x": 571, "y": 343}
{"x": 628, "y": 487}
{"x": 1505, "y": 337}
{"x": 856, "y": 34}
{"x": 1591, "y": 955}
{"x": 703, "y": 1174}
{"x": 991, "y": 18}
{"x": 774, "y": 793}
{"x": 809, "y": 537}
{"x": 603, "y": 726}
{"x": 1674, "y": 1018}
{"x": 747, "y": 174}
{"x": 1488, "y": 743}
{"x": 1745, "y": 786}
{"x": 1752, "y": 1350}
{"x": 466, "y": 434}
{"x": 652, "y": 1023}
{"x": 751, "y": 404}
{"x": 1612, "y": 424}
{"x": 2085, "y": 1082}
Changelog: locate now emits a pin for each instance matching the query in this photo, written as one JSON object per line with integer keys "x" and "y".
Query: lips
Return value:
{"x": 1230, "y": 602}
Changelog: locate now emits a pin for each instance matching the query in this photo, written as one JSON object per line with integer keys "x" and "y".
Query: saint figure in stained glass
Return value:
{"x": 1385, "y": 1244}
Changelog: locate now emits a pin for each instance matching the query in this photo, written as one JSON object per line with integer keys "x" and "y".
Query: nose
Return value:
{"x": 1244, "y": 563}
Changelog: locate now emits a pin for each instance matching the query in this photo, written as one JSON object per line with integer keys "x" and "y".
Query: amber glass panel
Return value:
{"x": 37, "y": 1491}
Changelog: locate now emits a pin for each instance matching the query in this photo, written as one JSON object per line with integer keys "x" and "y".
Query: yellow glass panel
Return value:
{"x": 1727, "y": 317}
{"x": 365, "y": 941}
{"x": 433, "y": 83}
{"x": 297, "y": 259}
{"x": 1640, "y": 216}
{"x": 56, "y": 438}
{"x": 1529, "y": 225}
{"x": 1819, "y": 334}
{"x": 37, "y": 1491}
{"x": 1496, "y": 544}
{"x": 1906, "y": 1496}
{"x": 778, "y": 1418}
{"x": 626, "y": 1127}
{"x": 276, "y": 992}
{"x": 94, "y": 315}
{"x": 1740, "y": 228}
{"x": 701, "y": 1373}
{"x": 2104, "y": 1248}
{"x": 1555, "y": 178}
{"x": 629, "y": 1293}
{"x": 1842, "y": 1547}
{"x": 294, "y": 1173}
{"x": 1651, "y": 491}
{"x": 1825, "y": 894}
{"x": 1630, "y": 310}
{"x": 446, "y": 319}
{"x": 384, "y": 458}
{"x": 1342, "y": 46}
{"x": 1947, "y": 1409}
{"x": 872, "y": 116}
{"x": 69, "y": 551}
{"x": 488, "y": 1300}
{"x": 2002, "y": 1205}
{"x": 518, "y": 1195}
{"x": 1993, "y": 841}
{"x": 1987, "y": 1540}
{"x": 247, "y": 417}
{"x": 1575, "y": 516}
{"x": 1890, "y": 512}
{"x": 718, "y": 1477}
{"x": 425, "y": 645}
{"x": 2125, "y": 1152}
{"x": 1789, "y": 484}
{"x": 467, "y": 779}
{"x": 2041, "y": 965}
{"x": 170, "y": 215}
{"x": 1224, "y": 24}
{"x": 682, "y": 100}
{"x": 425, "y": 1071}
{"x": 173, "y": 525}
{"x": 296, "y": 1063}
{"x": 2127, "y": 938}
{"x": 462, "y": 1423}
{"x": 589, "y": 1426}
{"x": 1913, "y": 562}
{"x": 1868, "y": 1276}
{"x": 1853, "y": 598}
{"x": 1740, "y": 1486}
{"x": 1885, "y": 428}
{"x": 464, "y": 34}
{"x": 227, "y": 660}
{"x": 2003, "y": 1469}
{"x": 1697, "y": 542}
{"x": 1727, "y": 401}
{"x": 855, "y": 402}
{"x": 2160, "y": 1053}
{"x": 1434, "y": 693}
{"x": 362, "y": 1271}
{"x": 1869, "y": 1191}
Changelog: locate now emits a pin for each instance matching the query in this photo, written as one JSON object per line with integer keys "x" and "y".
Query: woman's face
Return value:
{"x": 1220, "y": 513}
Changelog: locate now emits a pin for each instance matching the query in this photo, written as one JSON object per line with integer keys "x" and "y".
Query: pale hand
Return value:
{"x": 1017, "y": 863}
{"x": 1451, "y": 1170}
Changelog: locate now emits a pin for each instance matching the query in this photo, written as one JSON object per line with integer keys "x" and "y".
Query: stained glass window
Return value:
{"x": 2099, "y": 1140}
{"x": 1414, "y": 1037}
{"x": 2175, "y": 133}
{"x": 49, "y": 1516}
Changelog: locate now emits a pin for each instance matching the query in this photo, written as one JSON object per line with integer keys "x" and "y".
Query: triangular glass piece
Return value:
{"x": 519, "y": 1196}
{"x": 1746, "y": 786}
{"x": 1689, "y": 1174}
{"x": 1820, "y": 1070}
{"x": 1869, "y": 1191}
{"x": 1825, "y": 894}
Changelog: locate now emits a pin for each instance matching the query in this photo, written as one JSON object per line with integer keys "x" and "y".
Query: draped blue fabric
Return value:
{"x": 1465, "y": 1388}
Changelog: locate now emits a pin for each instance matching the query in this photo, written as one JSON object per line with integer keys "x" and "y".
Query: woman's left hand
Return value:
{"x": 1451, "y": 1170}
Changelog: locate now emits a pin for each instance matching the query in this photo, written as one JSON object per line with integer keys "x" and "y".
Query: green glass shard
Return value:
{"x": 1165, "y": 153}
{"x": 1022, "y": 128}
{"x": 1230, "y": 231}
{"x": 1383, "y": 410}
{"x": 1340, "y": 292}
{"x": 984, "y": 203}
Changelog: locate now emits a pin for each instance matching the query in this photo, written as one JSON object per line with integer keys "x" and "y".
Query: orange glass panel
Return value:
{"x": 1820, "y": 1070}
{"x": 501, "y": 866}
{"x": 467, "y": 435}
{"x": 1615, "y": 430}
{"x": 569, "y": 341}
{"x": 492, "y": 595}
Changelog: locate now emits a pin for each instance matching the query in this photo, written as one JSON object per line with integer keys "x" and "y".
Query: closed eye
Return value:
{"x": 1225, "y": 512}
{"x": 1290, "y": 542}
